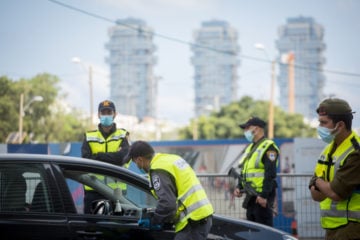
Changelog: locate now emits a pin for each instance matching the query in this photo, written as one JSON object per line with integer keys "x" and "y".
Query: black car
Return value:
{"x": 42, "y": 197}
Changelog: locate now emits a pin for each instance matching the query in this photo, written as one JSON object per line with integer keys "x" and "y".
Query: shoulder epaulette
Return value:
{"x": 355, "y": 143}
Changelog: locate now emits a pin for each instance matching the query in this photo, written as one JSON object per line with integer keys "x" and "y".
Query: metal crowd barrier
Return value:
{"x": 297, "y": 213}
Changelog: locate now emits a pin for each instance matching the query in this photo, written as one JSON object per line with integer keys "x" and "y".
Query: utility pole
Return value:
{"x": 91, "y": 97}
{"x": 291, "y": 71}
{"x": 22, "y": 110}
{"x": 21, "y": 113}
{"x": 261, "y": 47}
{"x": 271, "y": 105}
{"x": 195, "y": 129}
{"x": 90, "y": 73}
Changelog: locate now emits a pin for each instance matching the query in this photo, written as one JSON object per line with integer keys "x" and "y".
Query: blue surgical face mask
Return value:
{"x": 106, "y": 120}
{"x": 326, "y": 134}
{"x": 249, "y": 135}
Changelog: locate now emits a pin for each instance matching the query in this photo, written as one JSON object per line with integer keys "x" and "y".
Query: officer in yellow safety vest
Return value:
{"x": 336, "y": 180}
{"x": 107, "y": 144}
{"x": 258, "y": 165}
{"x": 182, "y": 201}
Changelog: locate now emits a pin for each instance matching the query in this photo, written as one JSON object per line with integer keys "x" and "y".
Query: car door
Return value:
{"x": 30, "y": 205}
{"x": 125, "y": 198}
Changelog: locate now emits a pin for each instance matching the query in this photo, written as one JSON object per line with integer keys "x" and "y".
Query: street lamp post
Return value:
{"x": 261, "y": 47}
{"x": 90, "y": 72}
{"x": 22, "y": 110}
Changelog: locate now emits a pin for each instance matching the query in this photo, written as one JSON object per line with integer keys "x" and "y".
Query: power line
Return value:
{"x": 201, "y": 46}
{"x": 299, "y": 66}
{"x": 140, "y": 29}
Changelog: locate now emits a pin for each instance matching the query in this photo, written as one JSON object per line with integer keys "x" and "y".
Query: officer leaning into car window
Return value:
{"x": 182, "y": 201}
{"x": 336, "y": 180}
{"x": 258, "y": 165}
{"x": 107, "y": 144}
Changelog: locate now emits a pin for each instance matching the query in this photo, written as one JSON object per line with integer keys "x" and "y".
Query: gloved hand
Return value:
{"x": 146, "y": 223}
{"x": 156, "y": 227}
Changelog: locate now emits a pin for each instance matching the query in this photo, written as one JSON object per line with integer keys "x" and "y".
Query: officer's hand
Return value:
{"x": 312, "y": 183}
{"x": 146, "y": 223}
{"x": 237, "y": 192}
{"x": 156, "y": 227}
{"x": 261, "y": 201}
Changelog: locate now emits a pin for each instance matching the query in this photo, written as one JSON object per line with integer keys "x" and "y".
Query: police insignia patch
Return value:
{"x": 156, "y": 182}
{"x": 272, "y": 155}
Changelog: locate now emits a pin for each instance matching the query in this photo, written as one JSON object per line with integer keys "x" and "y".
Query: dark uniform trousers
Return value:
{"x": 195, "y": 230}
{"x": 256, "y": 213}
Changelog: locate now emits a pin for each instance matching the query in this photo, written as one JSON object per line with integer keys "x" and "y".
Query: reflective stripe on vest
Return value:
{"x": 192, "y": 199}
{"x": 253, "y": 169}
{"x": 192, "y": 208}
{"x": 254, "y": 175}
{"x": 98, "y": 143}
{"x": 337, "y": 213}
{"x": 112, "y": 143}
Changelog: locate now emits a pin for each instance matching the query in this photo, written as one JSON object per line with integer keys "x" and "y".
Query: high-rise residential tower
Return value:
{"x": 133, "y": 86}
{"x": 301, "y": 38}
{"x": 215, "y": 62}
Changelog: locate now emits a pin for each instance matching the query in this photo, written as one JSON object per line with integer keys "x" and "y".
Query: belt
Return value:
{"x": 199, "y": 222}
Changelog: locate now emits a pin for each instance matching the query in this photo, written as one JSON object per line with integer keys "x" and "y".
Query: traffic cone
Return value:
{"x": 294, "y": 228}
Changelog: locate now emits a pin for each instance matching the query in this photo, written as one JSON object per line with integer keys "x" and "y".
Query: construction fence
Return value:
{"x": 294, "y": 211}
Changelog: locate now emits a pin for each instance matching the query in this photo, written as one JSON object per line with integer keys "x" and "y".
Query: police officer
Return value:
{"x": 182, "y": 201}
{"x": 107, "y": 144}
{"x": 258, "y": 169}
{"x": 336, "y": 180}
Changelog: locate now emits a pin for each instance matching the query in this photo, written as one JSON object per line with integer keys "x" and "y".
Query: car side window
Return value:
{"x": 24, "y": 188}
{"x": 124, "y": 198}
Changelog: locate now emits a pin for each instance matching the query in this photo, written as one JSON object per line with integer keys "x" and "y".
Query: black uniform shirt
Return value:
{"x": 269, "y": 160}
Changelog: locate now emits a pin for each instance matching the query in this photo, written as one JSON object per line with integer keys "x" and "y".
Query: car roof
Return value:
{"x": 48, "y": 158}
{"x": 42, "y": 157}
{"x": 54, "y": 158}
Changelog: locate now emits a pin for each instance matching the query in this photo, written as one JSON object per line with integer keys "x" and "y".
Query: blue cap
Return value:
{"x": 253, "y": 121}
{"x": 107, "y": 104}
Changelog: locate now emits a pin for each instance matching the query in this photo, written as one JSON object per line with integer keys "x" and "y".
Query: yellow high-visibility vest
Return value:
{"x": 253, "y": 169}
{"x": 193, "y": 202}
{"x": 335, "y": 214}
{"x": 112, "y": 143}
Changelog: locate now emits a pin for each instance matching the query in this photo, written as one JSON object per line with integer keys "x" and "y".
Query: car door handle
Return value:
{"x": 89, "y": 235}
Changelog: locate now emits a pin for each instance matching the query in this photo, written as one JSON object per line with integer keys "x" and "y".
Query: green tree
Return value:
{"x": 44, "y": 85}
{"x": 62, "y": 125}
{"x": 45, "y": 121}
{"x": 224, "y": 124}
{"x": 9, "y": 111}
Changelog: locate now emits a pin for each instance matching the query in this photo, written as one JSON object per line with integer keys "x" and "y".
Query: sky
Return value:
{"x": 38, "y": 36}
